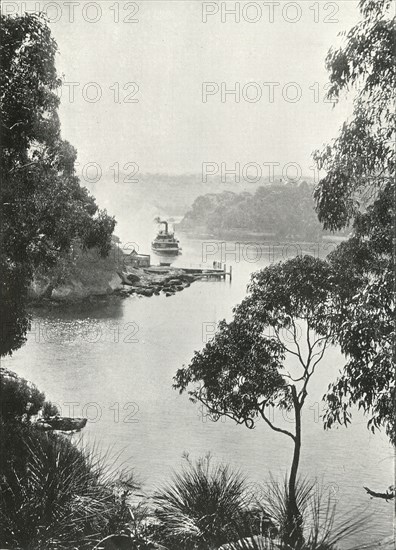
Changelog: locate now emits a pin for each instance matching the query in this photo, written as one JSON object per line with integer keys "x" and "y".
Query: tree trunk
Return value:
{"x": 293, "y": 528}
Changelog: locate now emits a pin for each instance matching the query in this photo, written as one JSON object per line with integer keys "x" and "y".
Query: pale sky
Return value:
{"x": 169, "y": 53}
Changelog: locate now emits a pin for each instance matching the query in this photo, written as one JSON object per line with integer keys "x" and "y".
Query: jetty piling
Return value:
{"x": 218, "y": 271}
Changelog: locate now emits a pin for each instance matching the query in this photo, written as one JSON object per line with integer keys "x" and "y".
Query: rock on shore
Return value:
{"x": 83, "y": 275}
{"x": 153, "y": 281}
{"x": 88, "y": 276}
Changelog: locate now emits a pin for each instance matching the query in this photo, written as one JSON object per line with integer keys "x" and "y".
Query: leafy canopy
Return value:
{"x": 359, "y": 189}
{"x": 241, "y": 371}
{"x": 44, "y": 209}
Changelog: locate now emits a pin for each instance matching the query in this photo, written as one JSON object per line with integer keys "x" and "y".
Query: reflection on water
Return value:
{"x": 114, "y": 363}
{"x": 106, "y": 307}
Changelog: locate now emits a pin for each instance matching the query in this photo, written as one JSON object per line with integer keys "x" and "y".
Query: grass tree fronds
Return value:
{"x": 61, "y": 495}
{"x": 202, "y": 506}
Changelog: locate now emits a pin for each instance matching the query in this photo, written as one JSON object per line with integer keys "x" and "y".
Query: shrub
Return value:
{"x": 49, "y": 409}
{"x": 19, "y": 399}
{"x": 321, "y": 529}
{"x": 56, "y": 494}
{"x": 203, "y": 506}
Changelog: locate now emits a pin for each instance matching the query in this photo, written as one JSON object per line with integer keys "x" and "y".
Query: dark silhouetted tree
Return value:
{"x": 43, "y": 207}
{"x": 359, "y": 189}
{"x": 241, "y": 373}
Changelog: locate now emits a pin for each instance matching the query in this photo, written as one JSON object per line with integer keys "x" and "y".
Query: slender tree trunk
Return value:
{"x": 293, "y": 528}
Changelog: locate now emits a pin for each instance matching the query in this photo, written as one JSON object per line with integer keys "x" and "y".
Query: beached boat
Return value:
{"x": 61, "y": 423}
{"x": 165, "y": 243}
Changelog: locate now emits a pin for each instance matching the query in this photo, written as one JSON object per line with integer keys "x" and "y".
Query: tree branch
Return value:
{"x": 293, "y": 379}
{"x": 386, "y": 496}
{"x": 298, "y": 355}
{"x": 23, "y": 166}
{"x": 249, "y": 422}
{"x": 302, "y": 394}
{"x": 310, "y": 348}
{"x": 326, "y": 338}
{"x": 320, "y": 356}
{"x": 298, "y": 345}
{"x": 273, "y": 427}
{"x": 13, "y": 126}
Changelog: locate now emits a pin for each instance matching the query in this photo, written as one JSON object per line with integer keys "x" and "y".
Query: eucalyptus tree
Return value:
{"x": 243, "y": 373}
{"x": 358, "y": 189}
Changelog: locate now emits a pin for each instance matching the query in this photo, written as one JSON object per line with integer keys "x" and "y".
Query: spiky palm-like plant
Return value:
{"x": 56, "y": 494}
{"x": 202, "y": 506}
{"x": 321, "y": 530}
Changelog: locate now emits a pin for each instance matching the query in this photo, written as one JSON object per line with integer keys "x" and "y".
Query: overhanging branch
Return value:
{"x": 248, "y": 421}
{"x": 273, "y": 427}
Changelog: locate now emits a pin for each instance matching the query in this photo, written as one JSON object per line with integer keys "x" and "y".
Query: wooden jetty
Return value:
{"x": 217, "y": 271}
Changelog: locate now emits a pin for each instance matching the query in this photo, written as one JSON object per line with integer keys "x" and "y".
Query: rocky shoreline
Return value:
{"x": 154, "y": 281}
{"x": 87, "y": 277}
{"x": 140, "y": 282}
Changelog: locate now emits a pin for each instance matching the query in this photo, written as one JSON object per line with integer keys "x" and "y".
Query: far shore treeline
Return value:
{"x": 279, "y": 210}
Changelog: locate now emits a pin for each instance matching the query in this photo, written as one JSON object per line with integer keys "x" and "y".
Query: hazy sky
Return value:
{"x": 169, "y": 53}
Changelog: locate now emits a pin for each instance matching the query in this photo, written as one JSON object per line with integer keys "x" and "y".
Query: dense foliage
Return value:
{"x": 44, "y": 208}
{"x": 359, "y": 189}
{"x": 284, "y": 211}
{"x": 19, "y": 399}
{"x": 54, "y": 493}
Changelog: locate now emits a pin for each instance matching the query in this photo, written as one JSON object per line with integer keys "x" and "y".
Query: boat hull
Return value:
{"x": 166, "y": 251}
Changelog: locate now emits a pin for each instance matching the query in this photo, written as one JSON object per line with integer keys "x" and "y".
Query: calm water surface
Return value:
{"x": 115, "y": 363}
